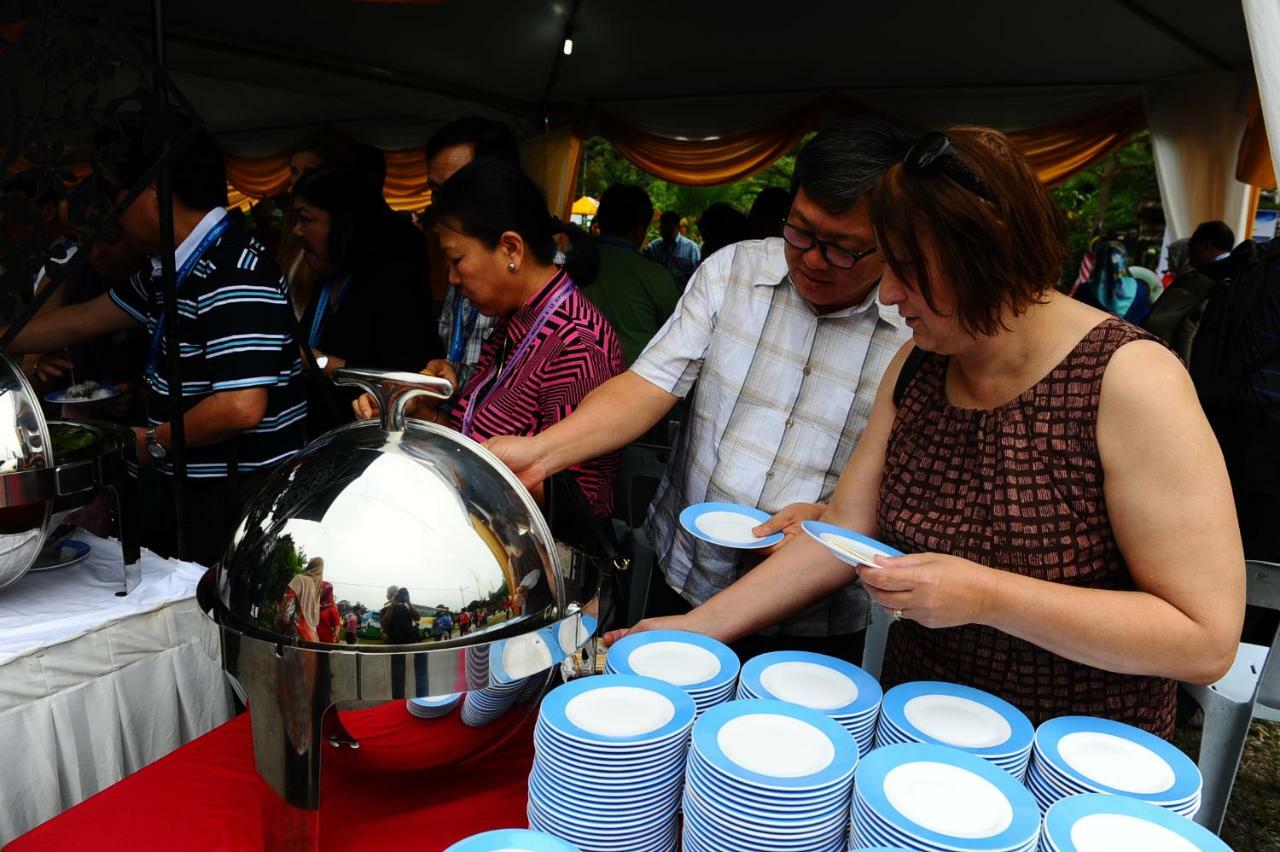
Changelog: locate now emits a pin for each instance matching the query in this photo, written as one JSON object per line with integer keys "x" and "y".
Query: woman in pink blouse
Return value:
{"x": 552, "y": 347}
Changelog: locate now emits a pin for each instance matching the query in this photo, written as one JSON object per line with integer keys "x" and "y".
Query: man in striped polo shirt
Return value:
{"x": 244, "y": 404}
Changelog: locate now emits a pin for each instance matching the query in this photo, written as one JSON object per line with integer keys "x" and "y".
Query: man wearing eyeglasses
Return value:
{"x": 787, "y": 342}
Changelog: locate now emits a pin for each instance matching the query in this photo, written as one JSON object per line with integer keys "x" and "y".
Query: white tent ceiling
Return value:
{"x": 263, "y": 72}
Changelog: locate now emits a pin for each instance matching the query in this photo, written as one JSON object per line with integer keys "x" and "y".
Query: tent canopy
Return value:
{"x": 263, "y": 74}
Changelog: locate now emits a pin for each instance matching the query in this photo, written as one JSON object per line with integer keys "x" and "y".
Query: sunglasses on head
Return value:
{"x": 933, "y": 153}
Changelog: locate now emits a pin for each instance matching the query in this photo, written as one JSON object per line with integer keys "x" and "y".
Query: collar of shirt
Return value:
{"x": 193, "y": 239}
{"x": 522, "y": 320}
{"x": 619, "y": 242}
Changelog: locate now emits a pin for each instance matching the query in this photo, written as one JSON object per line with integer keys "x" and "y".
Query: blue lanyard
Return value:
{"x": 153, "y": 351}
{"x": 317, "y": 322}
{"x": 460, "y": 336}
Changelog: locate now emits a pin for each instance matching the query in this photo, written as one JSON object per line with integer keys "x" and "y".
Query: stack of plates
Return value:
{"x": 767, "y": 775}
{"x": 512, "y": 840}
{"x": 843, "y": 691}
{"x": 1081, "y": 754}
{"x": 483, "y": 706}
{"x": 609, "y": 756}
{"x": 477, "y": 667}
{"x": 433, "y": 708}
{"x": 932, "y": 797}
{"x": 1097, "y": 823}
{"x": 702, "y": 667}
{"x": 961, "y": 717}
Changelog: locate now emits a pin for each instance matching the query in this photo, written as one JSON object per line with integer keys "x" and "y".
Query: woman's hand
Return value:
{"x": 366, "y": 406}
{"x": 666, "y": 622}
{"x": 787, "y": 521}
{"x": 52, "y": 366}
{"x": 932, "y": 588}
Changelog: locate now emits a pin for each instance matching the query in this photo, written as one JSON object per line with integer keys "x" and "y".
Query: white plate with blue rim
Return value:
{"x": 1105, "y": 756}
{"x": 512, "y": 840}
{"x": 622, "y": 710}
{"x": 943, "y": 797}
{"x": 775, "y": 746}
{"x": 955, "y": 715}
{"x": 693, "y": 662}
{"x": 728, "y": 525}
{"x": 1097, "y": 822}
{"x": 848, "y": 546}
{"x": 827, "y": 684}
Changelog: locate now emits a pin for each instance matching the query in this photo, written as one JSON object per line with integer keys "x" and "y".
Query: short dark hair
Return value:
{"x": 487, "y": 138}
{"x": 486, "y": 198}
{"x": 720, "y": 225}
{"x": 670, "y": 217}
{"x": 1217, "y": 234}
{"x": 1003, "y": 253}
{"x": 841, "y": 162}
{"x": 371, "y": 160}
{"x": 197, "y": 170}
{"x": 623, "y": 208}
{"x": 356, "y": 211}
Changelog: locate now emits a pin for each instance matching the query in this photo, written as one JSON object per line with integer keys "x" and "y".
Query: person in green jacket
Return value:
{"x": 634, "y": 293}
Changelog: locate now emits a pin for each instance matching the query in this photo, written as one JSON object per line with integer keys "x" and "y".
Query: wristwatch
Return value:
{"x": 154, "y": 447}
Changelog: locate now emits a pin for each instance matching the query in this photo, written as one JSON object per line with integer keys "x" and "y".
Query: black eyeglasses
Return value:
{"x": 838, "y": 256}
{"x": 933, "y": 153}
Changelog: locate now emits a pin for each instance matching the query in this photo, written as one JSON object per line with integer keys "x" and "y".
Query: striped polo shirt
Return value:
{"x": 235, "y": 331}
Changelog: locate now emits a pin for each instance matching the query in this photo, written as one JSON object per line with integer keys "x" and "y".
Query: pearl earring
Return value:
{"x": 511, "y": 267}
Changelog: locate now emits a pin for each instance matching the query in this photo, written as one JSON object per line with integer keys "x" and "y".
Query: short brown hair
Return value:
{"x": 1004, "y": 253}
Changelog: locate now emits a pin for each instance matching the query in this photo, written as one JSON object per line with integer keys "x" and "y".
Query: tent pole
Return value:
{"x": 169, "y": 289}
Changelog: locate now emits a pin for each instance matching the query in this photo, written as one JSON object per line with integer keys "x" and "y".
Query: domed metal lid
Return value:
{"x": 24, "y": 435}
{"x": 399, "y": 522}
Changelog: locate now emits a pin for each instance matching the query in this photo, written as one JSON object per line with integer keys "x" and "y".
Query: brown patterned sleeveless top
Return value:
{"x": 1018, "y": 488}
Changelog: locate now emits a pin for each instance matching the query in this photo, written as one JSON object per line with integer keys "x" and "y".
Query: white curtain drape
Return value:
{"x": 1196, "y": 125}
{"x": 1262, "y": 18}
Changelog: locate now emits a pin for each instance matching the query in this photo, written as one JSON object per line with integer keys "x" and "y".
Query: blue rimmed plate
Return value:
{"x": 512, "y": 840}
{"x": 773, "y": 745}
{"x": 728, "y": 525}
{"x": 1105, "y": 756}
{"x": 944, "y": 797}
{"x": 690, "y": 661}
{"x": 848, "y": 546}
{"x": 1095, "y": 822}
{"x": 60, "y": 397}
{"x": 955, "y": 715}
{"x": 618, "y": 709}
{"x": 827, "y": 684}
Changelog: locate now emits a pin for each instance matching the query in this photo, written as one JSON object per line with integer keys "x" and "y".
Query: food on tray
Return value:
{"x": 88, "y": 390}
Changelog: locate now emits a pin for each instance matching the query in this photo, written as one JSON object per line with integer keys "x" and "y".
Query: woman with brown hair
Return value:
{"x": 1010, "y": 456}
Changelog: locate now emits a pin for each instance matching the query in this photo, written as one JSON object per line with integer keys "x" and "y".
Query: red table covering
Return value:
{"x": 207, "y": 795}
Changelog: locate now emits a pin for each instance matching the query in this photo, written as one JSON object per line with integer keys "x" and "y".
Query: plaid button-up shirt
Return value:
{"x": 480, "y": 328}
{"x": 783, "y": 395}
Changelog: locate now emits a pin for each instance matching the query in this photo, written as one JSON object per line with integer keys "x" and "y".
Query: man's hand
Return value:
{"x": 52, "y": 366}
{"x": 366, "y": 407}
{"x": 666, "y": 622}
{"x": 523, "y": 456}
{"x": 787, "y": 521}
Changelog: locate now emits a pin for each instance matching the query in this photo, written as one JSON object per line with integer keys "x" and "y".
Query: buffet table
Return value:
{"x": 207, "y": 795}
{"x": 93, "y": 686}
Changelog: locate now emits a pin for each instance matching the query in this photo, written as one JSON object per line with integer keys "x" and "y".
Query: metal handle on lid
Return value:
{"x": 393, "y": 390}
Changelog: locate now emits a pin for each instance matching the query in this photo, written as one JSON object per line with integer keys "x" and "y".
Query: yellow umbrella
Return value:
{"x": 585, "y": 206}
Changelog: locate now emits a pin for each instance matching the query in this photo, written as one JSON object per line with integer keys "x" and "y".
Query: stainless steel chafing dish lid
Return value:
{"x": 405, "y": 504}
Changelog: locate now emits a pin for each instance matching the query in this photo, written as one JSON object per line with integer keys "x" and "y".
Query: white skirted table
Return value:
{"x": 94, "y": 686}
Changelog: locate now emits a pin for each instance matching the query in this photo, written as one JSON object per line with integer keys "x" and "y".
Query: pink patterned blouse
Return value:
{"x": 573, "y": 352}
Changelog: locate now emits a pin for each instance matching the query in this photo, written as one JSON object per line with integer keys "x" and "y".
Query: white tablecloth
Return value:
{"x": 94, "y": 686}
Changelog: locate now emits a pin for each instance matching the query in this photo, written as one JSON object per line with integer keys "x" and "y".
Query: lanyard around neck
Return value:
{"x": 461, "y": 334}
{"x": 153, "y": 352}
{"x": 500, "y": 373}
{"x": 322, "y": 303}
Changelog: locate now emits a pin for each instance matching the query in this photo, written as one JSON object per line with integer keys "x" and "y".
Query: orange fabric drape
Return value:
{"x": 1057, "y": 151}
{"x": 1253, "y": 164}
{"x": 259, "y": 177}
{"x": 707, "y": 162}
{"x": 406, "y": 186}
{"x": 251, "y": 178}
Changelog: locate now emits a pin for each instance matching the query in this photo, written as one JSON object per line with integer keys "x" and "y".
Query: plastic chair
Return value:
{"x": 1229, "y": 704}
{"x": 877, "y": 636}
